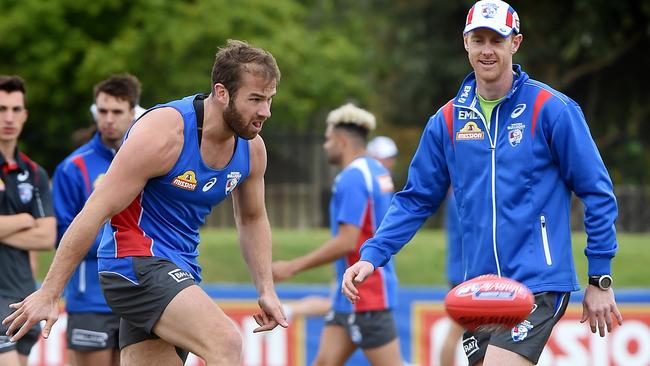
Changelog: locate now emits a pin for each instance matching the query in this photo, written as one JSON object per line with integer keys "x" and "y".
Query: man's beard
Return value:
{"x": 235, "y": 120}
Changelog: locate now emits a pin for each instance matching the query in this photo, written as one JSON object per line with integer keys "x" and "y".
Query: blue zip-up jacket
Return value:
{"x": 513, "y": 184}
{"x": 74, "y": 180}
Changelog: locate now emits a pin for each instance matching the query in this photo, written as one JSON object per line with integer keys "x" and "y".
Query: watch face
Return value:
{"x": 605, "y": 282}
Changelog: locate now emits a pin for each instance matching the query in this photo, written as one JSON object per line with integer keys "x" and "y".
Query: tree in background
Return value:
{"x": 593, "y": 50}
{"x": 400, "y": 58}
{"x": 63, "y": 47}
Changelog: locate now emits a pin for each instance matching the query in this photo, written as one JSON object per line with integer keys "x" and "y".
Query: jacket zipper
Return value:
{"x": 82, "y": 277}
{"x": 547, "y": 250}
{"x": 493, "y": 144}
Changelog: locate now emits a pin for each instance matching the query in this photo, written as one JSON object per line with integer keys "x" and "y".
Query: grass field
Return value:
{"x": 421, "y": 262}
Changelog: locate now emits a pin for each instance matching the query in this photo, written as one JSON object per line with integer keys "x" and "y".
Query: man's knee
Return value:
{"x": 227, "y": 350}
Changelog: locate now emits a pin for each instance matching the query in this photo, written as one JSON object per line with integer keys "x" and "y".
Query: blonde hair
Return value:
{"x": 352, "y": 115}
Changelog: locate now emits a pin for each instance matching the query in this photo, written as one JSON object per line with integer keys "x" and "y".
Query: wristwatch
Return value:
{"x": 603, "y": 282}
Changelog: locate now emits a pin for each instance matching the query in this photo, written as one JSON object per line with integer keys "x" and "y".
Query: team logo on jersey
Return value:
{"x": 26, "y": 192}
{"x": 520, "y": 331}
{"x": 516, "y": 133}
{"x": 22, "y": 176}
{"x": 186, "y": 181}
{"x": 209, "y": 184}
{"x": 233, "y": 179}
{"x": 470, "y": 131}
{"x": 98, "y": 180}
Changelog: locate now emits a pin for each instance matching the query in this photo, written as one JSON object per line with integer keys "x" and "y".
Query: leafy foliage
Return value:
{"x": 402, "y": 59}
{"x": 63, "y": 47}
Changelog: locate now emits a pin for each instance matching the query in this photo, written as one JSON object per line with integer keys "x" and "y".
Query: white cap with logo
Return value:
{"x": 493, "y": 14}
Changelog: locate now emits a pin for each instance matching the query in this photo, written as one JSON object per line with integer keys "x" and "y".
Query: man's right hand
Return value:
{"x": 36, "y": 307}
{"x": 356, "y": 274}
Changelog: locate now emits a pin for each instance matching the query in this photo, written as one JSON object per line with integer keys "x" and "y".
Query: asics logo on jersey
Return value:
{"x": 209, "y": 184}
{"x": 519, "y": 109}
{"x": 23, "y": 176}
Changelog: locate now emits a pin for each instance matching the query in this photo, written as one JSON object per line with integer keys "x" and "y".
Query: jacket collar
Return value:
{"x": 22, "y": 161}
{"x": 467, "y": 93}
{"x": 100, "y": 148}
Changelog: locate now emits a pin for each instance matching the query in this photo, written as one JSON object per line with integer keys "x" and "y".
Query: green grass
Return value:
{"x": 421, "y": 262}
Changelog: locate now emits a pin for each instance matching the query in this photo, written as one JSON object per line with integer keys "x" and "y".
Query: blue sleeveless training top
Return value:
{"x": 164, "y": 219}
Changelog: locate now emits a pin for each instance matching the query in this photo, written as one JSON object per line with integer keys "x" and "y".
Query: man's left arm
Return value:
{"x": 43, "y": 235}
{"x": 352, "y": 197}
{"x": 582, "y": 168}
{"x": 255, "y": 237}
{"x": 338, "y": 246}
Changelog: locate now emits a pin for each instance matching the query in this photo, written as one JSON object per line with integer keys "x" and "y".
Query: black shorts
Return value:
{"x": 529, "y": 337}
{"x": 25, "y": 344}
{"x": 369, "y": 329}
{"x": 141, "y": 304}
{"x": 89, "y": 332}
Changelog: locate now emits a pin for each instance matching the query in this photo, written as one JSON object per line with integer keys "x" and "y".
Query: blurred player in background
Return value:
{"x": 27, "y": 221}
{"x": 383, "y": 149}
{"x": 360, "y": 197}
{"x": 514, "y": 150}
{"x": 178, "y": 161}
{"x": 92, "y": 330}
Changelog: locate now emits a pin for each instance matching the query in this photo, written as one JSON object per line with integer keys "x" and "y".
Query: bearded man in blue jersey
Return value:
{"x": 177, "y": 161}
{"x": 514, "y": 150}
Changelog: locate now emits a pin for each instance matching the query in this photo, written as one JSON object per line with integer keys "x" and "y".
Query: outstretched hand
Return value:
{"x": 272, "y": 314}
{"x": 36, "y": 307}
{"x": 282, "y": 270}
{"x": 354, "y": 275}
{"x": 599, "y": 307}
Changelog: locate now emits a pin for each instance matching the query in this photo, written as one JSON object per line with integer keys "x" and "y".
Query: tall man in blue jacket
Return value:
{"x": 513, "y": 150}
{"x": 93, "y": 328}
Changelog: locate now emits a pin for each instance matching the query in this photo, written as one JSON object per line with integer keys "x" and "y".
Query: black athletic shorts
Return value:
{"x": 141, "y": 304}
{"x": 529, "y": 337}
{"x": 25, "y": 344}
{"x": 89, "y": 332}
{"x": 369, "y": 329}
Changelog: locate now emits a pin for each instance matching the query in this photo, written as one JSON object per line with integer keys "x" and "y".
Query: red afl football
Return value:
{"x": 489, "y": 300}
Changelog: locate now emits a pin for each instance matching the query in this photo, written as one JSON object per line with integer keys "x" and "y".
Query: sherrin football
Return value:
{"x": 488, "y": 301}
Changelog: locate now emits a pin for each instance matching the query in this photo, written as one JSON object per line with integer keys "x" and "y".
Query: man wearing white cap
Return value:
{"x": 514, "y": 150}
{"x": 383, "y": 148}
